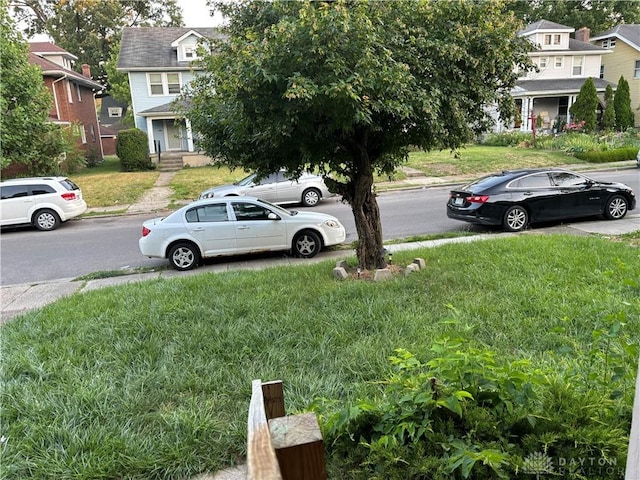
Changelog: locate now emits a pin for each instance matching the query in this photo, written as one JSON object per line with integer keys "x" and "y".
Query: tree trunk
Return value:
{"x": 366, "y": 214}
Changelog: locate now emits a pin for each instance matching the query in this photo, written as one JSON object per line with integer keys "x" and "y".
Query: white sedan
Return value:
{"x": 236, "y": 225}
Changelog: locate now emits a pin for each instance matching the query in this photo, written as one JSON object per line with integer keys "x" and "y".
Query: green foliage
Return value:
{"x": 132, "y": 149}
{"x": 584, "y": 108}
{"x": 569, "y": 143}
{"x": 468, "y": 413}
{"x": 91, "y": 30}
{"x": 615, "y": 155}
{"x": 349, "y": 87}
{"x": 622, "y": 104}
{"x": 24, "y": 103}
{"x": 609, "y": 115}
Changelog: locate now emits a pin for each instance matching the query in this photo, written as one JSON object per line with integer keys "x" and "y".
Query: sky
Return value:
{"x": 196, "y": 14}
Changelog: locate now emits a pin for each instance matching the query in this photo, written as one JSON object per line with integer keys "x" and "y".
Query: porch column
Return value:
{"x": 152, "y": 147}
{"x": 572, "y": 99}
{"x": 187, "y": 124}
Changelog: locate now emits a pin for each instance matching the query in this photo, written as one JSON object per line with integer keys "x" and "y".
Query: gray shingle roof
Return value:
{"x": 150, "y": 47}
{"x": 628, "y": 33}
{"x": 563, "y": 85}
{"x": 543, "y": 25}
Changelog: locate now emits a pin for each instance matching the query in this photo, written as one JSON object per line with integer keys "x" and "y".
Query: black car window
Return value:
{"x": 486, "y": 182}
{"x": 42, "y": 189}
{"x": 250, "y": 211}
{"x": 566, "y": 179}
{"x": 537, "y": 180}
{"x": 14, "y": 191}
{"x": 69, "y": 185}
{"x": 208, "y": 213}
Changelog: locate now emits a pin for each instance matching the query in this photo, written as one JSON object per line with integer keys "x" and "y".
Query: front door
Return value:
{"x": 174, "y": 135}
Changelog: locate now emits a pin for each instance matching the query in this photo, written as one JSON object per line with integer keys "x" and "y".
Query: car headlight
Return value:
{"x": 332, "y": 224}
{"x": 206, "y": 195}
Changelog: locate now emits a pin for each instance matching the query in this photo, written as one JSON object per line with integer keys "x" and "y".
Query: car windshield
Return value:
{"x": 246, "y": 180}
{"x": 486, "y": 182}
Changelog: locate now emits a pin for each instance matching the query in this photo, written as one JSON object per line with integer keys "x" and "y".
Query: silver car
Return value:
{"x": 277, "y": 188}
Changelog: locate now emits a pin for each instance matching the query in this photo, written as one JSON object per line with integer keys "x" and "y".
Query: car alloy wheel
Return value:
{"x": 616, "y": 208}
{"x": 184, "y": 256}
{"x": 307, "y": 244}
{"x": 515, "y": 219}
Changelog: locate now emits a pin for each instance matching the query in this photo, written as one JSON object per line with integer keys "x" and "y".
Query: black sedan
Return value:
{"x": 516, "y": 198}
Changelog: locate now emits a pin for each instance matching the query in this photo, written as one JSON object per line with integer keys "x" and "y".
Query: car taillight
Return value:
{"x": 69, "y": 196}
{"x": 477, "y": 198}
{"x": 145, "y": 231}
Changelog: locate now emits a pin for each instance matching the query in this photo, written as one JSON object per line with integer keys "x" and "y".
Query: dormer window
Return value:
{"x": 189, "y": 52}
{"x": 550, "y": 39}
{"x": 609, "y": 43}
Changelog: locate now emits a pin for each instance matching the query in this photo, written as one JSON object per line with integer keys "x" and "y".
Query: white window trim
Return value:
{"x": 558, "y": 64}
{"x": 574, "y": 65}
{"x": 192, "y": 49}
{"x": 543, "y": 62}
{"x": 165, "y": 84}
{"x": 636, "y": 69}
{"x": 557, "y": 39}
{"x": 78, "y": 92}
{"x": 69, "y": 93}
{"x": 115, "y": 112}
{"x": 547, "y": 39}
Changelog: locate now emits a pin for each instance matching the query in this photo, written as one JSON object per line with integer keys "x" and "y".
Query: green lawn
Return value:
{"x": 152, "y": 380}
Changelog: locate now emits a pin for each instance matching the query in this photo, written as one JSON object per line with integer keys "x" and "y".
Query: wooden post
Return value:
{"x": 273, "y": 394}
{"x": 633, "y": 457}
{"x": 299, "y": 447}
{"x": 262, "y": 463}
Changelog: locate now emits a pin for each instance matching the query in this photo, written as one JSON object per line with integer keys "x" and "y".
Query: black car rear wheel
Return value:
{"x": 515, "y": 219}
{"x": 616, "y": 207}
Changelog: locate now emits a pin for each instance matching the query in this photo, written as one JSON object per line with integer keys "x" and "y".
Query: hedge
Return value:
{"x": 615, "y": 155}
{"x": 132, "y": 149}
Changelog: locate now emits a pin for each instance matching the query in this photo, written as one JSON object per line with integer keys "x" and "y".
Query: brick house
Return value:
{"x": 73, "y": 94}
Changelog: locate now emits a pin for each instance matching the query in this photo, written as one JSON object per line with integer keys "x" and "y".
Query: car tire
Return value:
{"x": 184, "y": 256}
{"x": 311, "y": 197}
{"x": 515, "y": 219}
{"x": 616, "y": 208}
{"x": 306, "y": 244}
{"x": 46, "y": 220}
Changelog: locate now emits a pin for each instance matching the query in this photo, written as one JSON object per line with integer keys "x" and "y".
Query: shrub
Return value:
{"x": 615, "y": 155}
{"x": 132, "y": 149}
{"x": 506, "y": 139}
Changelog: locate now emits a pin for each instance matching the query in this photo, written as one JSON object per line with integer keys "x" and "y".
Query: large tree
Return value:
{"x": 347, "y": 87}
{"x": 27, "y": 136}
{"x": 91, "y": 29}
{"x": 598, "y": 15}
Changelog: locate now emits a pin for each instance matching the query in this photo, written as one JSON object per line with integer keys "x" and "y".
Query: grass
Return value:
{"x": 106, "y": 186}
{"x": 188, "y": 183}
{"x": 152, "y": 380}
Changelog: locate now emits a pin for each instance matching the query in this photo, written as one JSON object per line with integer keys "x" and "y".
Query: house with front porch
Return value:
{"x": 623, "y": 41}
{"x": 159, "y": 62}
{"x": 564, "y": 63}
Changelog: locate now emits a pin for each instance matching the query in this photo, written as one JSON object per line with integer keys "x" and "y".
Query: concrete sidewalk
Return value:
{"x": 16, "y": 299}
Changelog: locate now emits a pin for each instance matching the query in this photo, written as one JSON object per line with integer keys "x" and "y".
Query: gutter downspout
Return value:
{"x": 55, "y": 95}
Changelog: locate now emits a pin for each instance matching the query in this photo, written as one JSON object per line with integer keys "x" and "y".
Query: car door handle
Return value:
{"x": 243, "y": 227}
{"x": 526, "y": 194}
{"x": 199, "y": 229}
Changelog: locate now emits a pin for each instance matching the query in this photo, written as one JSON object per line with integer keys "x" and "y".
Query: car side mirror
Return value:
{"x": 273, "y": 216}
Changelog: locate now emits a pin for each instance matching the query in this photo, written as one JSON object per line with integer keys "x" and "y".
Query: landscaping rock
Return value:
{"x": 420, "y": 263}
{"x": 412, "y": 267}
{"x": 339, "y": 273}
{"x": 341, "y": 264}
{"x": 382, "y": 274}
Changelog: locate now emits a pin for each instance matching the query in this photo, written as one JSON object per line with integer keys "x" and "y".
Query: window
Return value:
{"x": 249, "y": 211}
{"x": 69, "y": 96}
{"x": 208, "y": 213}
{"x": 601, "y": 71}
{"x": 115, "y": 112}
{"x": 543, "y": 62}
{"x": 538, "y": 180}
{"x": 558, "y": 62}
{"x": 189, "y": 52}
{"x": 609, "y": 43}
{"x": 556, "y": 39}
{"x": 78, "y": 92}
{"x": 79, "y": 130}
{"x": 636, "y": 69}
{"x": 42, "y": 189}
{"x": 92, "y": 132}
{"x": 164, "y": 83}
{"x": 566, "y": 179}
{"x": 547, "y": 39}
{"x": 577, "y": 66}
{"x": 14, "y": 191}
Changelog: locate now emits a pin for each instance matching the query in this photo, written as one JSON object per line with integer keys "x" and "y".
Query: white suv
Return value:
{"x": 43, "y": 202}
